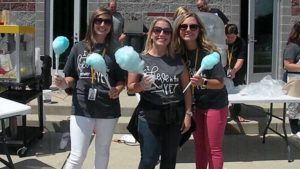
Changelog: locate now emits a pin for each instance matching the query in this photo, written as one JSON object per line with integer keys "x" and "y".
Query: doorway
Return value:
{"x": 260, "y": 23}
{"x": 69, "y": 19}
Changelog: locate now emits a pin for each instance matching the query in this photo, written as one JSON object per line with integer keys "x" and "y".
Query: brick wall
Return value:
{"x": 287, "y": 20}
{"x": 22, "y": 11}
{"x": 154, "y": 8}
{"x": 17, "y": 5}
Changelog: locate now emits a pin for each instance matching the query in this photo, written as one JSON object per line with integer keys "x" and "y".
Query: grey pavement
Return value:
{"x": 241, "y": 151}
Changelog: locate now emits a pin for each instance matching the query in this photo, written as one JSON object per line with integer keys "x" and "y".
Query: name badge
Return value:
{"x": 92, "y": 94}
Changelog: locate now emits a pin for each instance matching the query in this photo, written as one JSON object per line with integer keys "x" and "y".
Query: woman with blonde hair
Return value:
{"x": 163, "y": 110}
{"x": 210, "y": 106}
{"x": 179, "y": 11}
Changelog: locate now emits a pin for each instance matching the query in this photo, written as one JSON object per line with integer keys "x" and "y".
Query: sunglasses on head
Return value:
{"x": 193, "y": 27}
{"x": 98, "y": 21}
{"x": 158, "y": 30}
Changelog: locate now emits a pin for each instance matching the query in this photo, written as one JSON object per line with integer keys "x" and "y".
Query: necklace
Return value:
{"x": 229, "y": 56}
{"x": 195, "y": 64}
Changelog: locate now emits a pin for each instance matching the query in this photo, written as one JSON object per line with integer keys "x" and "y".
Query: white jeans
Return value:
{"x": 81, "y": 129}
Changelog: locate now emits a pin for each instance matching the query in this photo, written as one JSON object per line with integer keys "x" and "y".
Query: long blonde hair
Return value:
{"x": 202, "y": 40}
{"x": 149, "y": 42}
{"x": 179, "y": 11}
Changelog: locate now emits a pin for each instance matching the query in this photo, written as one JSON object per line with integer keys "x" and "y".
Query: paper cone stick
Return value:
{"x": 106, "y": 79}
{"x": 56, "y": 63}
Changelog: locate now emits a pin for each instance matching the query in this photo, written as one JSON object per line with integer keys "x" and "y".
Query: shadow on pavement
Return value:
{"x": 244, "y": 148}
{"x": 31, "y": 164}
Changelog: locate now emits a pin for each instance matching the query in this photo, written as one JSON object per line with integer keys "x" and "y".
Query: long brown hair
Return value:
{"x": 89, "y": 38}
{"x": 294, "y": 35}
{"x": 202, "y": 40}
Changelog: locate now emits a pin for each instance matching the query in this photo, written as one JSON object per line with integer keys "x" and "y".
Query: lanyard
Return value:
{"x": 229, "y": 56}
{"x": 93, "y": 72}
{"x": 195, "y": 65}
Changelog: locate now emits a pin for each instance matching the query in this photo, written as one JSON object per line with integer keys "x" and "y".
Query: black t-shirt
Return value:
{"x": 292, "y": 51}
{"x": 220, "y": 14}
{"x": 239, "y": 51}
{"x": 163, "y": 102}
{"x": 103, "y": 106}
{"x": 167, "y": 71}
{"x": 207, "y": 98}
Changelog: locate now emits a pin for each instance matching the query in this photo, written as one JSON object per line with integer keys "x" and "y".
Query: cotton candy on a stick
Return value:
{"x": 208, "y": 62}
{"x": 59, "y": 45}
{"x": 97, "y": 62}
{"x": 128, "y": 59}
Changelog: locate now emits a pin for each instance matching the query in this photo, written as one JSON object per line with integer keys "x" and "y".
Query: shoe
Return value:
{"x": 240, "y": 119}
{"x": 297, "y": 135}
{"x": 64, "y": 141}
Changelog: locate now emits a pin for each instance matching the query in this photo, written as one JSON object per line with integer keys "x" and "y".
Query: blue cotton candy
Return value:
{"x": 60, "y": 44}
{"x": 128, "y": 59}
{"x": 209, "y": 61}
{"x": 97, "y": 62}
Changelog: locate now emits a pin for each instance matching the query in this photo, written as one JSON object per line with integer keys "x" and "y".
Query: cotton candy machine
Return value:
{"x": 20, "y": 82}
{"x": 17, "y": 59}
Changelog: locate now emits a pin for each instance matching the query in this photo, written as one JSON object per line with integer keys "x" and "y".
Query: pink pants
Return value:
{"x": 208, "y": 137}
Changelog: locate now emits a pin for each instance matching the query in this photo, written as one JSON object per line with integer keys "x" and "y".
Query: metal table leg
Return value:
{"x": 9, "y": 162}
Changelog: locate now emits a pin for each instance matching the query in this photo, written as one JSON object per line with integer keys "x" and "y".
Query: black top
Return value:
{"x": 239, "y": 51}
{"x": 163, "y": 102}
{"x": 207, "y": 98}
{"x": 292, "y": 51}
{"x": 103, "y": 106}
{"x": 220, "y": 14}
{"x": 167, "y": 70}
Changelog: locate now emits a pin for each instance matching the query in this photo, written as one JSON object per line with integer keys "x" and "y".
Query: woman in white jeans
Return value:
{"x": 94, "y": 104}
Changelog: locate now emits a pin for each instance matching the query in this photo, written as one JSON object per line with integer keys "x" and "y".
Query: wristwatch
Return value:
{"x": 204, "y": 85}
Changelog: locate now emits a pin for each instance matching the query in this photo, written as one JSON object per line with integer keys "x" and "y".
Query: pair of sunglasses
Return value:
{"x": 98, "y": 21}
{"x": 158, "y": 30}
{"x": 193, "y": 27}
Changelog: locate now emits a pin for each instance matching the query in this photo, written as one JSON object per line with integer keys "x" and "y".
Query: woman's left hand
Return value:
{"x": 186, "y": 124}
{"x": 113, "y": 93}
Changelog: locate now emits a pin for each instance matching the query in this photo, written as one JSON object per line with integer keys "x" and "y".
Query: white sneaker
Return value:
{"x": 298, "y": 134}
{"x": 65, "y": 138}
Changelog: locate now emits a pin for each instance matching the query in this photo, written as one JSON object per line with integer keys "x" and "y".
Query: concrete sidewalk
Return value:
{"x": 240, "y": 152}
{"x": 243, "y": 151}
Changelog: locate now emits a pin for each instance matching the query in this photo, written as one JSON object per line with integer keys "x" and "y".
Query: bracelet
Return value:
{"x": 189, "y": 113}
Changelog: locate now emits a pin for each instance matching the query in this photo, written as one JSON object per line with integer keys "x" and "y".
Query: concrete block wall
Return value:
{"x": 31, "y": 12}
{"x": 286, "y": 22}
{"x": 22, "y": 12}
{"x": 154, "y": 8}
{"x": 39, "y": 24}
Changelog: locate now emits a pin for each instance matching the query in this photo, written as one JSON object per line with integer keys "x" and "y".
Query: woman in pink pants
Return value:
{"x": 209, "y": 92}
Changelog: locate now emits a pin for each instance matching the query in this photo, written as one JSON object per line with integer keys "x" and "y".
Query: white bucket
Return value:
{"x": 47, "y": 96}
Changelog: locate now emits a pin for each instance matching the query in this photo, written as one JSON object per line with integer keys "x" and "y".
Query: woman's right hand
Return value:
{"x": 146, "y": 81}
{"x": 60, "y": 82}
